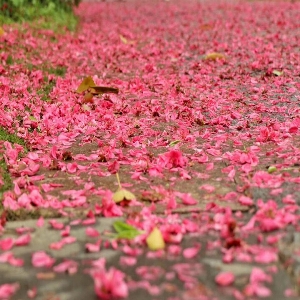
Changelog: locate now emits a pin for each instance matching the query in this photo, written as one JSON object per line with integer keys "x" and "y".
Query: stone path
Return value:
{"x": 207, "y": 141}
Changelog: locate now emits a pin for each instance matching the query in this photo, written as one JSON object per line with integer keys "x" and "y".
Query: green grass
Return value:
{"x": 45, "y": 90}
{"x": 9, "y": 60}
{"x": 12, "y": 138}
{"x": 58, "y": 71}
{"x": 50, "y": 15}
{"x": 5, "y": 177}
{"x": 47, "y": 14}
{"x": 47, "y": 87}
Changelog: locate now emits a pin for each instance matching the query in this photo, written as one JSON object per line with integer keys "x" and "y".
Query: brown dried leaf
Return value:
{"x": 214, "y": 56}
{"x": 99, "y": 90}
{"x": 45, "y": 275}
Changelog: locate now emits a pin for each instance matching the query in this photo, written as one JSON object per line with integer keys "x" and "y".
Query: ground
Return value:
{"x": 204, "y": 133}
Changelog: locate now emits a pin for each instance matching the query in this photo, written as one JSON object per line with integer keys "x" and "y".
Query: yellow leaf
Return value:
{"x": 123, "y": 194}
{"x": 155, "y": 240}
{"x": 214, "y": 56}
{"x": 125, "y": 41}
{"x": 85, "y": 84}
{"x": 277, "y": 73}
{"x": 1, "y": 31}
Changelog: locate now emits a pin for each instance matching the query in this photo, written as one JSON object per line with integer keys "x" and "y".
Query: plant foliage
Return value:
{"x": 30, "y": 10}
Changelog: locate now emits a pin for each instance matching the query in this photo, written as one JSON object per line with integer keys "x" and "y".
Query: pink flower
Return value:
{"x": 40, "y": 222}
{"x": 190, "y": 252}
{"x": 23, "y": 240}
{"x": 225, "y": 278}
{"x": 266, "y": 257}
{"x": 93, "y": 247}
{"x": 257, "y": 290}
{"x": 40, "y": 259}
{"x": 92, "y": 232}
{"x": 187, "y": 199}
{"x": 109, "y": 284}
{"x": 255, "y": 287}
{"x": 244, "y": 200}
{"x": 128, "y": 260}
{"x": 109, "y": 207}
{"x": 72, "y": 168}
{"x": 265, "y": 180}
{"x": 207, "y": 187}
{"x": 7, "y": 290}
{"x": 6, "y": 244}
{"x": 173, "y": 159}
{"x": 56, "y": 225}
{"x": 8, "y": 257}
{"x": 258, "y": 275}
{"x": 69, "y": 266}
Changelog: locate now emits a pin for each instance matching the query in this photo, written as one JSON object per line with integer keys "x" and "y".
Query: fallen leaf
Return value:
{"x": 125, "y": 231}
{"x": 205, "y": 27}
{"x": 126, "y": 41}
{"x": 45, "y": 275}
{"x": 89, "y": 85}
{"x": 214, "y": 56}
{"x": 277, "y": 72}
{"x": 98, "y": 90}
{"x": 155, "y": 240}
{"x": 173, "y": 143}
{"x": 123, "y": 194}
{"x": 86, "y": 84}
{"x": 272, "y": 169}
{"x": 2, "y": 32}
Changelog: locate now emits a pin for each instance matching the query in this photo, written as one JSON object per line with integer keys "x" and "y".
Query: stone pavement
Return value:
{"x": 78, "y": 285}
{"x": 207, "y": 141}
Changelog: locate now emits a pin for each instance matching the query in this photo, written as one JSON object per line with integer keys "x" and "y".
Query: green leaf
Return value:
{"x": 173, "y": 143}
{"x": 125, "y": 231}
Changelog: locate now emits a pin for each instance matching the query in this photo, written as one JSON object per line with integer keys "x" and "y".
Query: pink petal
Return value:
{"x": 41, "y": 259}
{"x": 23, "y": 240}
{"x": 7, "y": 290}
{"x": 190, "y": 252}
{"x": 6, "y": 244}
{"x": 92, "y": 247}
{"x": 56, "y": 225}
{"x": 69, "y": 266}
{"x": 92, "y": 232}
{"x": 225, "y": 278}
{"x": 40, "y": 222}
